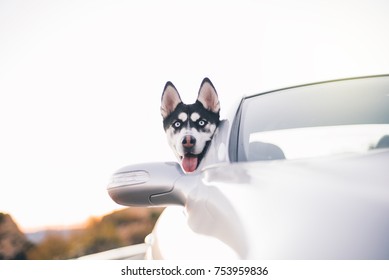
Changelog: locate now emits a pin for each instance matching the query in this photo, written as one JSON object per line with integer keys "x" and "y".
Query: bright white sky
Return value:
{"x": 80, "y": 81}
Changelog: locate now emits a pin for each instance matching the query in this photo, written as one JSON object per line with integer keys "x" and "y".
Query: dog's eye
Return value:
{"x": 177, "y": 124}
{"x": 202, "y": 122}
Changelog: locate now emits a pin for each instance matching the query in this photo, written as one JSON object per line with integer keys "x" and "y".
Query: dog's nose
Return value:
{"x": 188, "y": 141}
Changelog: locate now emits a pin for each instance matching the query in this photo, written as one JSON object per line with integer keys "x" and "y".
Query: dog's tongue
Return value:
{"x": 189, "y": 163}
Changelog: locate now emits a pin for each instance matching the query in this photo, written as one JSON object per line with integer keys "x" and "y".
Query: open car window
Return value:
{"x": 348, "y": 116}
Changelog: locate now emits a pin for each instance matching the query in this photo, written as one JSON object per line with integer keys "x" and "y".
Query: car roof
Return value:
{"x": 317, "y": 83}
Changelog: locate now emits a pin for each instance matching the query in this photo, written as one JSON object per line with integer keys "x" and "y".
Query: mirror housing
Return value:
{"x": 145, "y": 185}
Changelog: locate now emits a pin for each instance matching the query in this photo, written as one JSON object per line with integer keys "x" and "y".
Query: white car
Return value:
{"x": 297, "y": 173}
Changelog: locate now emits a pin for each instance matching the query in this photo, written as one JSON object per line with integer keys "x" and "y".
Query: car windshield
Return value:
{"x": 347, "y": 116}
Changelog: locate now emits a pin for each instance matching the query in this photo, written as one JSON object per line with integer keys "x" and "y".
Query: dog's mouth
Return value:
{"x": 190, "y": 162}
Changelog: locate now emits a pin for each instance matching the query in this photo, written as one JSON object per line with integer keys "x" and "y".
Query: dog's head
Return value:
{"x": 189, "y": 128}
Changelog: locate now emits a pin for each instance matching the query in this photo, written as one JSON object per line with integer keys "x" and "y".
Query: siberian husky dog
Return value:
{"x": 190, "y": 127}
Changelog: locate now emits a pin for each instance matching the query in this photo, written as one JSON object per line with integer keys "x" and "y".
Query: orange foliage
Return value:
{"x": 122, "y": 228}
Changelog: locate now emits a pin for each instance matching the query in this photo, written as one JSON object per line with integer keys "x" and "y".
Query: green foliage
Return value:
{"x": 122, "y": 228}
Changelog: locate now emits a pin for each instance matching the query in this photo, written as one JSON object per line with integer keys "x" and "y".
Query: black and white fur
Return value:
{"x": 190, "y": 127}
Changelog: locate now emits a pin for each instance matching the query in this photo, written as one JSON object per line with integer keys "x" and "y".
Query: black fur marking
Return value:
{"x": 170, "y": 119}
{"x": 197, "y": 107}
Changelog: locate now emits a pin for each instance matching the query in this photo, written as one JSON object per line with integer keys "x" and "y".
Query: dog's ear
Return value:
{"x": 208, "y": 96}
{"x": 170, "y": 99}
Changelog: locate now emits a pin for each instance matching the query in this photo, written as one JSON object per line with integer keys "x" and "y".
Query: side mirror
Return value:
{"x": 145, "y": 185}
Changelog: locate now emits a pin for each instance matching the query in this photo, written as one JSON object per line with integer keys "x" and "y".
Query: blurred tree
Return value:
{"x": 121, "y": 228}
{"x": 53, "y": 247}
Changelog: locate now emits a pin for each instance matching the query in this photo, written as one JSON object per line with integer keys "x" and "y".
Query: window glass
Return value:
{"x": 348, "y": 116}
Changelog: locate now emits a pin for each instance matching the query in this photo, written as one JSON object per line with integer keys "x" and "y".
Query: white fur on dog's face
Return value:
{"x": 189, "y": 128}
{"x": 175, "y": 136}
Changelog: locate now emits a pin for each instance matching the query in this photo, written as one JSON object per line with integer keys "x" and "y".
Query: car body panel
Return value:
{"x": 133, "y": 252}
{"x": 291, "y": 209}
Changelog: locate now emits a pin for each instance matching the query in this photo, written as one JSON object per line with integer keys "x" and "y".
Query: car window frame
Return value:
{"x": 236, "y": 146}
